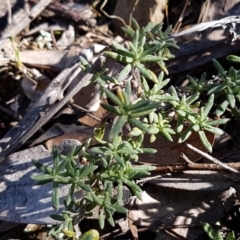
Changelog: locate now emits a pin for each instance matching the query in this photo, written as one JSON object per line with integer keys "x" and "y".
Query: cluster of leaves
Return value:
{"x": 108, "y": 165}
{"x": 217, "y": 234}
{"x": 146, "y": 114}
{"x": 227, "y": 87}
{"x": 97, "y": 186}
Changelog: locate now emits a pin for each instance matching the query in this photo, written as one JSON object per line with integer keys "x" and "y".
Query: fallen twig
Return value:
{"x": 214, "y": 160}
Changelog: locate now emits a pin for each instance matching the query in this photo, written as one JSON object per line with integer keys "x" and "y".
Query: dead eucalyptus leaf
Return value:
{"x": 169, "y": 152}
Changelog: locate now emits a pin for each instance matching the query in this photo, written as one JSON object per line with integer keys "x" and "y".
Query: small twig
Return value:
{"x": 110, "y": 16}
{"x": 214, "y": 160}
{"x": 194, "y": 166}
{"x": 54, "y": 40}
{"x": 133, "y": 10}
{"x": 144, "y": 180}
{"x": 87, "y": 111}
{"x": 180, "y": 19}
{"x": 186, "y": 159}
{"x": 9, "y": 12}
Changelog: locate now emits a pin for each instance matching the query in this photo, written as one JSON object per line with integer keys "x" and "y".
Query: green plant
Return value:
{"x": 228, "y": 86}
{"x": 147, "y": 107}
{"x": 217, "y": 234}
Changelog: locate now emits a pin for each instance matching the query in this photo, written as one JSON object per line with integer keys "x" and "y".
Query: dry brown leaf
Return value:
{"x": 83, "y": 98}
{"x": 169, "y": 152}
{"x": 131, "y": 223}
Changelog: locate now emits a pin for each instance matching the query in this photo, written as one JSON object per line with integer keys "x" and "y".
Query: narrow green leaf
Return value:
{"x": 232, "y": 73}
{"x": 233, "y": 58}
{"x": 151, "y": 50}
{"x": 109, "y": 217}
{"x": 120, "y": 49}
{"x": 205, "y": 141}
{"x": 135, "y": 24}
{"x": 126, "y": 97}
{"x": 120, "y": 192}
{"x": 69, "y": 168}
{"x": 140, "y": 104}
{"x": 43, "y": 168}
{"x": 84, "y": 187}
{"x": 220, "y": 69}
{"x": 213, "y": 130}
{"x": 62, "y": 179}
{"x": 149, "y": 151}
{"x": 208, "y": 106}
{"x": 192, "y": 98}
{"x": 57, "y": 217}
{"x": 192, "y": 81}
{"x": 101, "y": 218}
{"x": 156, "y": 28}
{"x": 119, "y": 209}
{"x": 111, "y": 108}
{"x": 61, "y": 166}
{"x": 135, "y": 188}
{"x": 55, "y": 196}
{"x": 222, "y": 108}
{"x": 141, "y": 111}
{"x": 167, "y": 135}
{"x": 113, "y": 97}
{"x": 146, "y": 72}
{"x": 120, "y": 160}
{"x": 43, "y": 177}
{"x": 55, "y": 157}
{"x": 218, "y": 121}
{"x": 87, "y": 169}
{"x": 138, "y": 124}
{"x": 216, "y": 89}
{"x": 117, "y": 127}
{"x": 209, "y": 230}
{"x": 96, "y": 199}
{"x": 141, "y": 45}
{"x": 136, "y": 39}
{"x": 124, "y": 73}
{"x": 129, "y": 31}
{"x": 185, "y": 135}
{"x": 231, "y": 99}
{"x": 150, "y": 58}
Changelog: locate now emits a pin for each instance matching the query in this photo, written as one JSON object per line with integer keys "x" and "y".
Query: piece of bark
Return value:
{"x": 143, "y": 11}
{"x": 200, "y": 47}
{"x": 21, "y": 200}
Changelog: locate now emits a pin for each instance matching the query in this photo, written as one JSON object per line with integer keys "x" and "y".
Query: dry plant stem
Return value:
{"x": 111, "y": 16}
{"x": 133, "y": 9}
{"x": 180, "y": 19}
{"x": 144, "y": 180}
{"x": 214, "y": 160}
{"x": 9, "y": 12}
{"x": 87, "y": 111}
{"x": 195, "y": 166}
